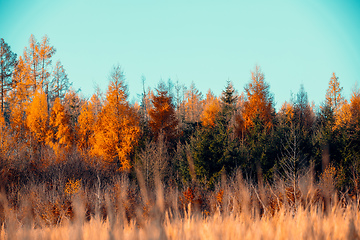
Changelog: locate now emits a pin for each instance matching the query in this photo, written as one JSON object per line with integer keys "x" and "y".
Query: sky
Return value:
{"x": 206, "y": 42}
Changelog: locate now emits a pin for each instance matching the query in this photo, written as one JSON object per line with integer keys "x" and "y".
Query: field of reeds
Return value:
{"x": 235, "y": 208}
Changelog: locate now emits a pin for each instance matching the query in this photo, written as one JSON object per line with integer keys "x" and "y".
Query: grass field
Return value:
{"x": 235, "y": 209}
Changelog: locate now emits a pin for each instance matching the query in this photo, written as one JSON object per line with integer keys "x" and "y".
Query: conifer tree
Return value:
{"x": 163, "y": 119}
{"x": 333, "y": 97}
{"x": 7, "y": 65}
{"x": 193, "y": 104}
{"x": 117, "y": 127}
{"x": 229, "y": 98}
{"x": 211, "y": 110}
{"x": 85, "y": 126}
{"x": 259, "y": 101}
{"x": 37, "y": 118}
{"x": 60, "y": 136}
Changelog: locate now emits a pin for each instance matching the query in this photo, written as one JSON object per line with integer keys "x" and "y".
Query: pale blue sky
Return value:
{"x": 208, "y": 42}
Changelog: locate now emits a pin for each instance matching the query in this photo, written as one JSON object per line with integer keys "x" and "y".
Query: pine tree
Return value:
{"x": 7, "y": 65}
{"x": 229, "y": 98}
{"x": 193, "y": 104}
{"x": 163, "y": 119}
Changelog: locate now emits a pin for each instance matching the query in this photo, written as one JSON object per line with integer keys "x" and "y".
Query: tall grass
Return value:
{"x": 234, "y": 209}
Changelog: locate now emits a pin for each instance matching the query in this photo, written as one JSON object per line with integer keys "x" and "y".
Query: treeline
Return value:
{"x": 174, "y": 134}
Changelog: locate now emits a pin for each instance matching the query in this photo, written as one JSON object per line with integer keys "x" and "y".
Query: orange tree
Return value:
{"x": 116, "y": 129}
{"x": 163, "y": 120}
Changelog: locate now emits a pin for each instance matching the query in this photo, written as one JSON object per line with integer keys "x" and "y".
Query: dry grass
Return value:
{"x": 233, "y": 210}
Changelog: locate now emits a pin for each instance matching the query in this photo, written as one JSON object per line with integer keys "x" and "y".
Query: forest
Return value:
{"x": 192, "y": 149}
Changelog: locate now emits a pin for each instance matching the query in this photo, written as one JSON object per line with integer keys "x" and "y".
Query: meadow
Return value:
{"x": 234, "y": 209}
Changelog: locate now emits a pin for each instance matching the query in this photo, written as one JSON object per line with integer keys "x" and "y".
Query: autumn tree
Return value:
{"x": 212, "y": 108}
{"x": 59, "y": 83}
{"x": 85, "y": 126}
{"x": 193, "y": 104}
{"x": 37, "y": 120}
{"x": 258, "y": 102}
{"x": 4, "y": 142}
{"x": 163, "y": 119}
{"x": 333, "y": 97}
{"x": 18, "y": 98}
{"x": 7, "y": 65}
{"x": 286, "y": 113}
{"x": 60, "y": 136}
{"x": 117, "y": 127}
{"x": 72, "y": 103}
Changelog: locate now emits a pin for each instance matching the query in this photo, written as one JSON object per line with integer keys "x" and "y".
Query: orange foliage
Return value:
{"x": 355, "y": 105}
{"x": 37, "y": 117}
{"x": 259, "y": 102}
{"x": 4, "y": 144}
{"x": 333, "y": 97}
{"x": 18, "y": 98}
{"x": 85, "y": 126}
{"x": 343, "y": 116}
{"x": 211, "y": 108}
{"x": 162, "y": 115}
{"x": 287, "y": 112}
{"x": 60, "y": 134}
{"x": 117, "y": 128}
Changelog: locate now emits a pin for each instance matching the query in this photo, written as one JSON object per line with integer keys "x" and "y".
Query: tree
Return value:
{"x": 38, "y": 58}
{"x": 72, "y": 103}
{"x": 60, "y": 134}
{"x": 45, "y": 54}
{"x": 7, "y": 65}
{"x": 211, "y": 110}
{"x": 37, "y": 118}
{"x": 193, "y": 104}
{"x": 228, "y": 98}
{"x": 18, "y": 97}
{"x": 259, "y": 101}
{"x": 85, "y": 126}
{"x": 163, "y": 119}
{"x": 4, "y": 143}
{"x": 59, "y": 84}
{"x": 214, "y": 152}
{"x": 333, "y": 97}
{"x": 117, "y": 127}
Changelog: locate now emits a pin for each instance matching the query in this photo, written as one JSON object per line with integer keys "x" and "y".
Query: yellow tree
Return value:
{"x": 38, "y": 58}
{"x": 286, "y": 112}
{"x": 37, "y": 118}
{"x": 85, "y": 126}
{"x": 259, "y": 101}
{"x": 343, "y": 116}
{"x": 333, "y": 97}
{"x": 355, "y": 105}
{"x": 193, "y": 104}
{"x": 117, "y": 127}
{"x": 211, "y": 109}
{"x": 60, "y": 134}
{"x": 18, "y": 98}
{"x": 4, "y": 143}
